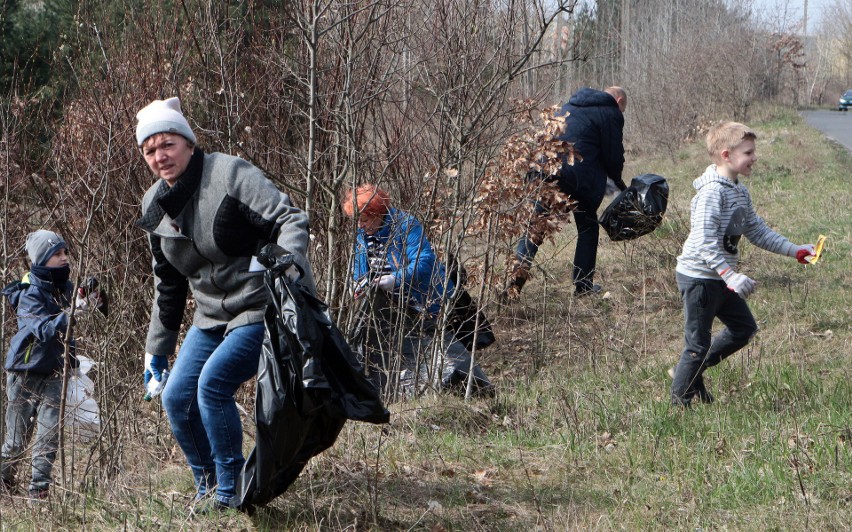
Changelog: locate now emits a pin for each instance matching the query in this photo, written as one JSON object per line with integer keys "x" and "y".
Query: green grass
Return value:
{"x": 581, "y": 435}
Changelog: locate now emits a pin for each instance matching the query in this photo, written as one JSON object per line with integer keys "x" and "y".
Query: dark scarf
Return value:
{"x": 175, "y": 198}
{"x": 377, "y": 251}
{"x": 171, "y": 200}
{"x": 58, "y": 276}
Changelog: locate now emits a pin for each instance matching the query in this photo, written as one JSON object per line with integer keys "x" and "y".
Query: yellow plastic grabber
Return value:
{"x": 817, "y": 250}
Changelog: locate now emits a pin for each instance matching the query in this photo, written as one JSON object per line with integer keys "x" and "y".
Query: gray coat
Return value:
{"x": 203, "y": 233}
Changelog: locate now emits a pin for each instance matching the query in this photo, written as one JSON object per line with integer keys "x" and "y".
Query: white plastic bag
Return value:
{"x": 82, "y": 414}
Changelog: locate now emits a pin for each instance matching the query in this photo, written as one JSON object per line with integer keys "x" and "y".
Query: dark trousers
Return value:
{"x": 405, "y": 351}
{"x": 703, "y": 301}
{"x": 586, "y": 251}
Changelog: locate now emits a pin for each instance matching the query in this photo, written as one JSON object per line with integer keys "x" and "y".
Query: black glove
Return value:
{"x": 280, "y": 261}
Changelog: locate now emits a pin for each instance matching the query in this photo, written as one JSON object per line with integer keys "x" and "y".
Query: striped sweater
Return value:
{"x": 721, "y": 213}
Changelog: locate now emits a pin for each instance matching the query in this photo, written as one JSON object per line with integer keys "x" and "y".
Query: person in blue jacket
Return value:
{"x": 393, "y": 256}
{"x": 594, "y": 123}
{"x": 35, "y": 360}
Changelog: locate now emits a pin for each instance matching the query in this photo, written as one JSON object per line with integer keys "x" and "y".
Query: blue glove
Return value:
{"x": 155, "y": 365}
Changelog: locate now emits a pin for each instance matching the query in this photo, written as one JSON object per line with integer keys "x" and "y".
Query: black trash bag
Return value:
{"x": 308, "y": 384}
{"x": 464, "y": 312}
{"x": 463, "y": 322}
{"x": 638, "y": 210}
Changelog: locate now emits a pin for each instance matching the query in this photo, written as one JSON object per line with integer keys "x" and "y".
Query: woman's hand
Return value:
{"x": 155, "y": 366}
{"x": 387, "y": 282}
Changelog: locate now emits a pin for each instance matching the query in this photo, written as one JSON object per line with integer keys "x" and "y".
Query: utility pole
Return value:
{"x": 799, "y": 78}
{"x": 625, "y": 37}
{"x": 561, "y": 48}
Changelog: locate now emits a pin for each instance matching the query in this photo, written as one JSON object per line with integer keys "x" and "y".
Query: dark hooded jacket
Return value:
{"x": 38, "y": 346}
{"x": 595, "y": 124}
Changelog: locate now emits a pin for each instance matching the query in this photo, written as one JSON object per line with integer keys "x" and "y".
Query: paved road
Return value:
{"x": 835, "y": 124}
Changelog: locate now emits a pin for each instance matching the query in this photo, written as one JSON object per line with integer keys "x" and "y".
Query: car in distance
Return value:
{"x": 845, "y": 101}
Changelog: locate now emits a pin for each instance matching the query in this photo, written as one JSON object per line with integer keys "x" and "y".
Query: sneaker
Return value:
{"x": 698, "y": 391}
{"x": 207, "y": 505}
{"x": 512, "y": 290}
{"x": 679, "y": 403}
{"x": 701, "y": 392}
{"x": 588, "y": 290}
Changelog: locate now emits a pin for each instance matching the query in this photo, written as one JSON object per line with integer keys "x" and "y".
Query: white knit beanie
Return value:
{"x": 162, "y": 116}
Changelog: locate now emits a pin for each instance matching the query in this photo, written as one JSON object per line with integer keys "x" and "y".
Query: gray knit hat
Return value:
{"x": 42, "y": 244}
{"x": 162, "y": 116}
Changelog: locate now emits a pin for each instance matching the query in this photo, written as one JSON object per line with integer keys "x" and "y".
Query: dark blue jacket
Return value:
{"x": 420, "y": 276}
{"x": 595, "y": 125}
{"x": 37, "y": 347}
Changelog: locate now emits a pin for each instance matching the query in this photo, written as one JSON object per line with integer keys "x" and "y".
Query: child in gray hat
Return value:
{"x": 35, "y": 360}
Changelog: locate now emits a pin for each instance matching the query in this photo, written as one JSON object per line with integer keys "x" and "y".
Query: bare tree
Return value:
{"x": 835, "y": 46}
{"x": 438, "y": 102}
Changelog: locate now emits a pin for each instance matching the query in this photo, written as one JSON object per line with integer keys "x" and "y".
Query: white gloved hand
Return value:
{"x": 86, "y": 303}
{"x": 810, "y": 248}
{"x": 387, "y": 282}
{"x": 739, "y": 283}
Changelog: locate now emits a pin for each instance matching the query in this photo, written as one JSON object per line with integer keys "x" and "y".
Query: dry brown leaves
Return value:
{"x": 519, "y": 178}
{"x": 523, "y": 174}
{"x": 504, "y": 194}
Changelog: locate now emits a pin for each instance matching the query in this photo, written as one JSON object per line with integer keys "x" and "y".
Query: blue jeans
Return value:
{"x": 199, "y": 400}
{"x": 704, "y": 300}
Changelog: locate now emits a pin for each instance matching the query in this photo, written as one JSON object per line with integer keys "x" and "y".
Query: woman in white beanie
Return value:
{"x": 207, "y": 216}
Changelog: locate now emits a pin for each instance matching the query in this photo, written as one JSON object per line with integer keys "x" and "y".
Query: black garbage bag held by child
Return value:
{"x": 308, "y": 384}
{"x": 638, "y": 210}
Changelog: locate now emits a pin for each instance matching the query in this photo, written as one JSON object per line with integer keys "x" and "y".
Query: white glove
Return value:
{"x": 739, "y": 283}
{"x": 387, "y": 282}
{"x": 292, "y": 273}
{"x": 810, "y": 248}
{"x": 87, "y": 303}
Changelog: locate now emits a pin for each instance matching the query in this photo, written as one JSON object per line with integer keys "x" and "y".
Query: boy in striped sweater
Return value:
{"x": 710, "y": 285}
